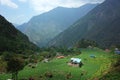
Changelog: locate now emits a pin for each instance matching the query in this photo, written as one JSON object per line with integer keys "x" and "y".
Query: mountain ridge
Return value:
{"x": 12, "y": 40}
{"x": 97, "y": 25}
{"x": 51, "y": 23}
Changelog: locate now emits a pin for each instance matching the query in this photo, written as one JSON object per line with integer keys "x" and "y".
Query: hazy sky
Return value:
{"x": 20, "y": 11}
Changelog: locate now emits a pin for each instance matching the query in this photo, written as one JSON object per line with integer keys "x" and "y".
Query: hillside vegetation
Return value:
{"x": 92, "y": 69}
{"x": 12, "y": 40}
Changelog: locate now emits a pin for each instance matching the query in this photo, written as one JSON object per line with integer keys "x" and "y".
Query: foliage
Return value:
{"x": 114, "y": 72}
{"x": 6, "y": 56}
{"x": 83, "y": 43}
{"x": 60, "y": 69}
{"x": 12, "y": 40}
{"x": 3, "y": 66}
{"x": 14, "y": 65}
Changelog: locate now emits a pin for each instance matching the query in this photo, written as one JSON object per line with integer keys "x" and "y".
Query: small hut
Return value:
{"x": 59, "y": 57}
{"x": 77, "y": 62}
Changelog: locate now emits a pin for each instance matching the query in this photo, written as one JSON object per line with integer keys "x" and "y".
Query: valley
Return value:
{"x": 62, "y": 40}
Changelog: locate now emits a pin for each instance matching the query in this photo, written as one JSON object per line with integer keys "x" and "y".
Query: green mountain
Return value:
{"x": 42, "y": 28}
{"x": 102, "y": 24}
{"x": 12, "y": 40}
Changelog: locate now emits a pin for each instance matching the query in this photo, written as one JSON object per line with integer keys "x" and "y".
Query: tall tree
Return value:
{"x": 14, "y": 65}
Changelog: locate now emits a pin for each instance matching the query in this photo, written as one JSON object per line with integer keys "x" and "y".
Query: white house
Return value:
{"x": 75, "y": 60}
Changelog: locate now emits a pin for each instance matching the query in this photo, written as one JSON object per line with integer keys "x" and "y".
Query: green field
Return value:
{"x": 92, "y": 68}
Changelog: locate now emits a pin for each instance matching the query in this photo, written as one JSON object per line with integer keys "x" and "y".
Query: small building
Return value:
{"x": 45, "y": 60}
{"x": 107, "y": 50}
{"x": 117, "y": 52}
{"x": 75, "y": 60}
{"x": 90, "y": 47}
{"x": 59, "y": 57}
{"x": 92, "y": 56}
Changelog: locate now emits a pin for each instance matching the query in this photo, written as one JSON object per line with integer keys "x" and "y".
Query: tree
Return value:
{"x": 7, "y": 56}
{"x": 14, "y": 65}
{"x": 84, "y": 43}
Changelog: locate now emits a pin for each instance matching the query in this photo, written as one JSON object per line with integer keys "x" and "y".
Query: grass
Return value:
{"x": 92, "y": 68}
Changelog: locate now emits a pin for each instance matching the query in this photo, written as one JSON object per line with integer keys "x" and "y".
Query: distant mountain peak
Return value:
{"x": 42, "y": 28}
{"x": 101, "y": 25}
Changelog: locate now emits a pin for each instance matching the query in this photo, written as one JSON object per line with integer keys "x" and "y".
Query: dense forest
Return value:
{"x": 12, "y": 40}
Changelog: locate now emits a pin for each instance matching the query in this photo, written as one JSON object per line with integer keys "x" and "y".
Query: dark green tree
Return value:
{"x": 14, "y": 65}
{"x": 84, "y": 43}
{"x": 7, "y": 56}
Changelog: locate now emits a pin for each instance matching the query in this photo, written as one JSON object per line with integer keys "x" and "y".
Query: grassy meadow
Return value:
{"x": 92, "y": 68}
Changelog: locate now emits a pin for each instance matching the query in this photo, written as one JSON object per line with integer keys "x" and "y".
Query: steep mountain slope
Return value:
{"x": 42, "y": 28}
{"x": 12, "y": 40}
{"x": 101, "y": 24}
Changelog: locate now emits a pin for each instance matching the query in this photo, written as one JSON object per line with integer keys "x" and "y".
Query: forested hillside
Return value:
{"x": 12, "y": 40}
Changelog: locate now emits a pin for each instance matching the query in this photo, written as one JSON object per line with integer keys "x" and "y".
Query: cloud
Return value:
{"x": 22, "y": 0}
{"x": 43, "y": 5}
{"x": 8, "y": 3}
{"x": 18, "y": 19}
{"x": 46, "y": 5}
